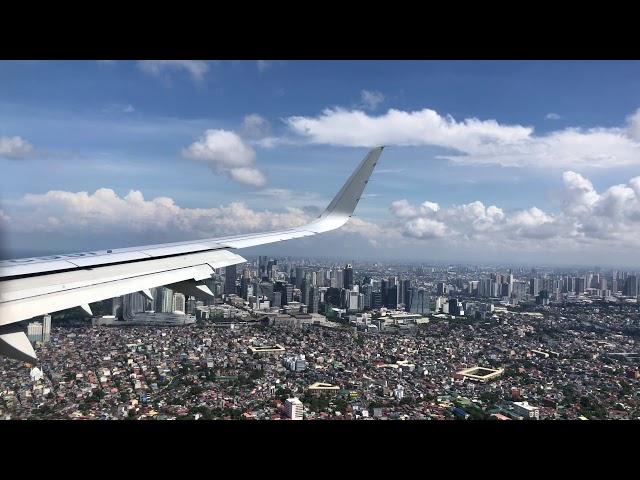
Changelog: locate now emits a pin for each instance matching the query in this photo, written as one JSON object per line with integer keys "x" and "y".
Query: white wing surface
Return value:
{"x": 36, "y": 286}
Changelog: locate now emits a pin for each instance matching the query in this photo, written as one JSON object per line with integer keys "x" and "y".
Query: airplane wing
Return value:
{"x": 36, "y": 286}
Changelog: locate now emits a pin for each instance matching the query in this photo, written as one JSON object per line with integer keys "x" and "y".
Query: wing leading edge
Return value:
{"x": 36, "y": 286}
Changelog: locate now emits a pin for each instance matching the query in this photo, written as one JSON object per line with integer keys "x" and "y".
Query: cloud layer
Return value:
{"x": 588, "y": 222}
{"x": 227, "y": 153}
{"x": 475, "y": 141}
{"x": 104, "y": 211}
{"x": 587, "y": 218}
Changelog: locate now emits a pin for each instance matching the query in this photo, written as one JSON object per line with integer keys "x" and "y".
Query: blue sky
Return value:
{"x": 282, "y": 136}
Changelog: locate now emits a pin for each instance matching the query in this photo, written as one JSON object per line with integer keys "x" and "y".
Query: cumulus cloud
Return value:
{"x": 475, "y": 141}
{"x": 552, "y": 116}
{"x": 225, "y": 152}
{"x": 196, "y": 68}
{"x": 587, "y": 217}
{"x": 371, "y": 99}
{"x": 106, "y": 211}
{"x": 14, "y": 147}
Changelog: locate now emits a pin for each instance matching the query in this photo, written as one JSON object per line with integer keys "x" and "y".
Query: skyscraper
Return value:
{"x": 230, "y": 279}
{"x": 34, "y": 331}
{"x": 263, "y": 263}
{"x": 179, "y": 304}
{"x": 299, "y": 277}
{"x": 392, "y": 297}
{"x": 348, "y": 276}
{"x": 164, "y": 300}
{"x": 631, "y": 286}
{"x": 455, "y": 307}
{"x": 46, "y": 327}
{"x": 133, "y": 303}
{"x": 534, "y": 286}
{"x": 314, "y": 300}
{"x": 305, "y": 292}
{"x": 419, "y": 301}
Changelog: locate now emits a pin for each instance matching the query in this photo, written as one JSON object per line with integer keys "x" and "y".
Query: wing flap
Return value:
{"x": 27, "y": 297}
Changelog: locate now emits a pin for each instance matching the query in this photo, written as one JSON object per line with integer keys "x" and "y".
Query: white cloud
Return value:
{"x": 248, "y": 176}
{"x": 196, "y": 68}
{"x": 552, "y": 116}
{"x": 403, "y": 209}
{"x": 424, "y": 127}
{"x": 610, "y": 219}
{"x": 225, "y": 152}
{"x": 633, "y": 125}
{"x": 371, "y": 99}
{"x": 104, "y": 211}
{"x": 255, "y": 127}
{"x": 425, "y": 228}
{"x": 14, "y": 147}
{"x": 475, "y": 141}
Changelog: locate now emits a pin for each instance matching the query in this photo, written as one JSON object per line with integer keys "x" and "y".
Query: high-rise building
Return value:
{"x": 299, "y": 277}
{"x": 484, "y": 287}
{"x": 580, "y": 285}
{"x": 419, "y": 301}
{"x": 132, "y": 303}
{"x": 179, "y": 303}
{"x": 314, "y": 300}
{"x": 46, "y": 327}
{"x": 348, "y": 277}
{"x": 230, "y": 274}
{"x": 404, "y": 292}
{"x": 455, "y": 307}
{"x": 191, "y": 306}
{"x": 265, "y": 289}
{"x": 34, "y": 331}
{"x": 534, "y": 286}
{"x": 376, "y": 299}
{"x": 294, "y": 408}
{"x": 305, "y": 291}
{"x": 384, "y": 290}
{"x": 339, "y": 278}
{"x": 276, "y": 300}
{"x": 392, "y": 297}
{"x": 263, "y": 264}
{"x": 164, "y": 300}
{"x": 631, "y": 286}
{"x": 603, "y": 283}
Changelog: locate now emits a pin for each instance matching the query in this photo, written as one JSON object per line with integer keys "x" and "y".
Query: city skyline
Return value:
{"x": 487, "y": 161}
{"x": 303, "y": 339}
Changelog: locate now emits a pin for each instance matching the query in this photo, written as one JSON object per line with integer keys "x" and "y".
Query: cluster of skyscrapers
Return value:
{"x": 315, "y": 288}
